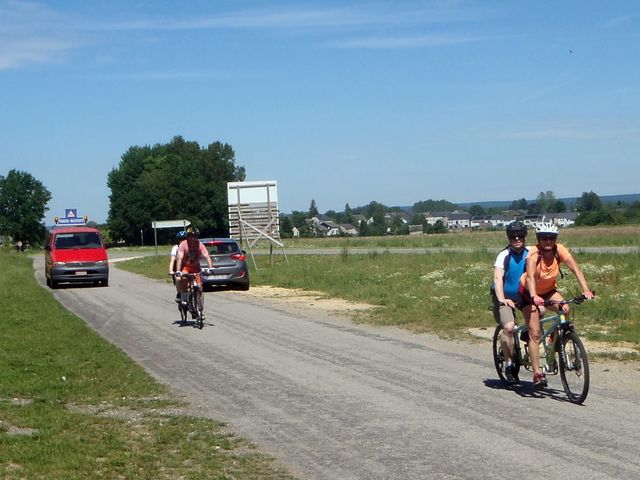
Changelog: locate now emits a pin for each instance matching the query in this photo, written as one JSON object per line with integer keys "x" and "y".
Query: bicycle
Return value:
{"x": 564, "y": 352}
{"x": 195, "y": 300}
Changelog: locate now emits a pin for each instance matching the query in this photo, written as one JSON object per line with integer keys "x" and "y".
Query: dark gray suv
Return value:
{"x": 229, "y": 264}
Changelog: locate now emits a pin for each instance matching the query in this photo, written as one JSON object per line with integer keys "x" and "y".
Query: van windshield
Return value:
{"x": 78, "y": 240}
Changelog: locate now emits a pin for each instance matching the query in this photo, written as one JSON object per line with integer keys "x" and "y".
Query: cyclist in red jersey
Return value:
{"x": 188, "y": 259}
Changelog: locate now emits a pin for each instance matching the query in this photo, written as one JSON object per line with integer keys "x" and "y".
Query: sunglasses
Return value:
{"x": 547, "y": 238}
{"x": 516, "y": 237}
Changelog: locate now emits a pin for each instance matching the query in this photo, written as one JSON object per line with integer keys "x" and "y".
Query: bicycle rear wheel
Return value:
{"x": 574, "y": 368}
{"x": 498, "y": 356}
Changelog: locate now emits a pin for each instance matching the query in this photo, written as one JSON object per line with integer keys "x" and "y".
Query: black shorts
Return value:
{"x": 526, "y": 299}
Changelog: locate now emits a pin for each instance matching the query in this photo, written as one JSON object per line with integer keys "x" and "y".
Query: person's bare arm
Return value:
{"x": 575, "y": 269}
{"x": 179, "y": 258}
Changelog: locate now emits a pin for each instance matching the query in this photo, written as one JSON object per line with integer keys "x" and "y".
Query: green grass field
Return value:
{"x": 72, "y": 406}
{"x": 604, "y": 236}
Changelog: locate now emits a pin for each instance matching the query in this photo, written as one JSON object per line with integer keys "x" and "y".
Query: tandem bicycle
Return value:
{"x": 564, "y": 352}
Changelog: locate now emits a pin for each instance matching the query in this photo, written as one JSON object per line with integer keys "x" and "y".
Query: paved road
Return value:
{"x": 337, "y": 401}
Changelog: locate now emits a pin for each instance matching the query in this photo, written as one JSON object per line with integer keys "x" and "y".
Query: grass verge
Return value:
{"x": 73, "y": 406}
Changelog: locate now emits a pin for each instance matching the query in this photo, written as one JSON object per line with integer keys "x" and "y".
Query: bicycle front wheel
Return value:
{"x": 200, "y": 308}
{"x": 574, "y": 368}
{"x": 183, "y": 313}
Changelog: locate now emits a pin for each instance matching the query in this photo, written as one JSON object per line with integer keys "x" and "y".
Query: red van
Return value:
{"x": 75, "y": 255}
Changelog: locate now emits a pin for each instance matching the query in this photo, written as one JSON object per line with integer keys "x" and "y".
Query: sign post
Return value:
{"x": 70, "y": 218}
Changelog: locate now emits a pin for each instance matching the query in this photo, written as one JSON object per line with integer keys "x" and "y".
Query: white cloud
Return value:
{"x": 618, "y": 21}
{"x": 17, "y": 52}
{"x": 374, "y": 14}
{"x": 30, "y": 33}
{"x": 575, "y": 131}
{"x": 416, "y": 41}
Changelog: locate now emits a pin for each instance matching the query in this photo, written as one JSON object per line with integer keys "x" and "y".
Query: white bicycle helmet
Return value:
{"x": 546, "y": 229}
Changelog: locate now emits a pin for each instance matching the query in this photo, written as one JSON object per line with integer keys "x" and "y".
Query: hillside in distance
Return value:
{"x": 569, "y": 201}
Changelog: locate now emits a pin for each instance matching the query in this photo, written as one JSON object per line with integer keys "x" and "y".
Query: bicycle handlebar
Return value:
{"x": 188, "y": 275}
{"x": 576, "y": 300}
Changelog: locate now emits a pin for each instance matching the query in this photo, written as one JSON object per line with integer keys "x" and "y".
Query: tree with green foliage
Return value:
{"x": 23, "y": 204}
{"x": 313, "y": 209}
{"x": 477, "y": 210}
{"x": 632, "y": 213}
{"x": 546, "y": 201}
{"x": 398, "y": 227}
{"x": 588, "y": 202}
{"x": 604, "y": 216}
{"x": 418, "y": 219}
{"x": 299, "y": 220}
{"x": 520, "y": 204}
{"x": 286, "y": 227}
{"x": 176, "y": 180}
{"x": 438, "y": 227}
{"x": 434, "y": 206}
{"x": 559, "y": 206}
{"x": 379, "y": 225}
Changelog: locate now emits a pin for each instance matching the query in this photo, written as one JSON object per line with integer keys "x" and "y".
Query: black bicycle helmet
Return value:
{"x": 193, "y": 231}
{"x": 516, "y": 228}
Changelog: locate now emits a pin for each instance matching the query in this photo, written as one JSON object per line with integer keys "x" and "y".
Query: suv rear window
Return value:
{"x": 77, "y": 240}
{"x": 219, "y": 248}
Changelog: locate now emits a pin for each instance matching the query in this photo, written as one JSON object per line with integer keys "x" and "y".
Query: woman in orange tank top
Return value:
{"x": 539, "y": 284}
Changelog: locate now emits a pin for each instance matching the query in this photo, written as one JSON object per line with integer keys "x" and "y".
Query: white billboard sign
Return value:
{"x": 252, "y": 192}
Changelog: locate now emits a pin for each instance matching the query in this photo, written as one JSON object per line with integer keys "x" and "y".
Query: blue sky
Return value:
{"x": 339, "y": 101}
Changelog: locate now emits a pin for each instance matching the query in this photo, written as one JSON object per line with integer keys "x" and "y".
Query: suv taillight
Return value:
{"x": 241, "y": 257}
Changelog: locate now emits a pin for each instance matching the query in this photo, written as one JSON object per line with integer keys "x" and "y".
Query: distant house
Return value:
{"x": 458, "y": 221}
{"x": 481, "y": 222}
{"x": 332, "y": 229}
{"x": 565, "y": 219}
{"x": 433, "y": 217}
{"x": 389, "y": 216}
{"x": 361, "y": 218}
{"x": 348, "y": 229}
{"x": 415, "y": 230}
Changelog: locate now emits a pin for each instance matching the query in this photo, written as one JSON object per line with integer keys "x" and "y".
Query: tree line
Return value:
{"x": 181, "y": 179}
{"x": 591, "y": 211}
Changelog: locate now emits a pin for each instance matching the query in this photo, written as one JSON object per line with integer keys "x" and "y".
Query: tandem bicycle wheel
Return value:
{"x": 498, "y": 356}
{"x": 574, "y": 368}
